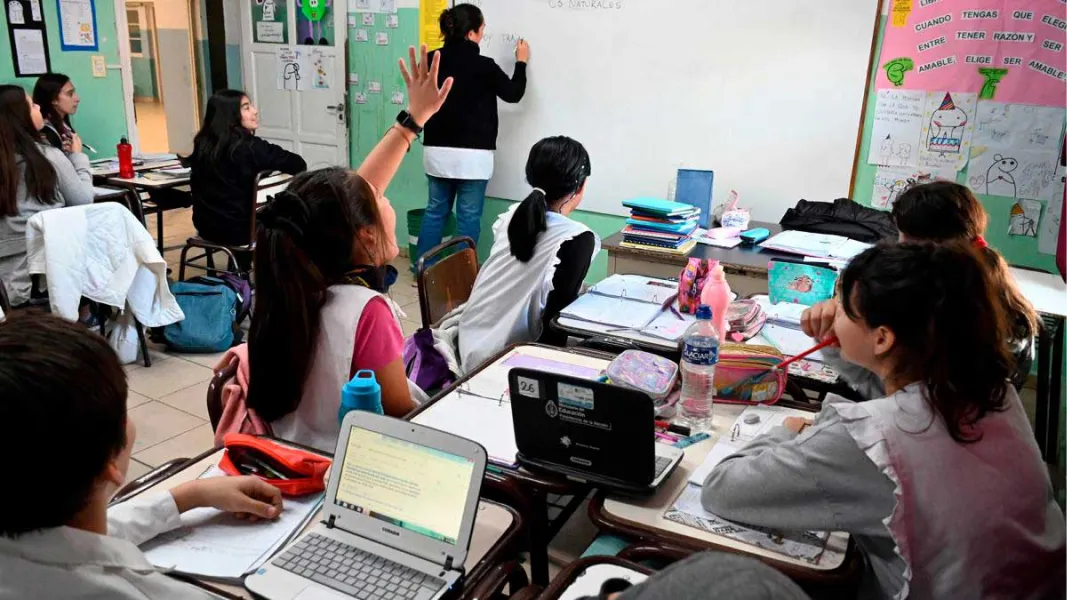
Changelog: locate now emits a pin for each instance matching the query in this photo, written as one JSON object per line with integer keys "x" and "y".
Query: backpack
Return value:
{"x": 244, "y": 294}
{"x": 841, "y": 217}
{"x": 211, "y": 307}
{"x": 423, "y": 363}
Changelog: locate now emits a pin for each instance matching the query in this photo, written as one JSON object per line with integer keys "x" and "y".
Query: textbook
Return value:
{"x": 660, "y": 207}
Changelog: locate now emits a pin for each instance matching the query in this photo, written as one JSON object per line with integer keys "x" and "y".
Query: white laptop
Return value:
{"x": 398, "y": 517}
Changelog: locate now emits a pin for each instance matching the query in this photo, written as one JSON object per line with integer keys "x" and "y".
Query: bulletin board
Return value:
{"x": 973, "y": 91}
{"x": 27, "y": 37}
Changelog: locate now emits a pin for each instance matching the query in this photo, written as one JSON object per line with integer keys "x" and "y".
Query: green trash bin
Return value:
{"x": 415, "y": 225}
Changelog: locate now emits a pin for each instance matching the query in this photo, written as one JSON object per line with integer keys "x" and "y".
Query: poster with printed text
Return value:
{"x": 1004, "y": 50}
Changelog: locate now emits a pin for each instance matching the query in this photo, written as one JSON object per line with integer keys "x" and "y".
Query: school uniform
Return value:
{"x": 459, "y": 141}
{"x": 56, "y": 134}
{"x": 512, "y": 301}
{"x": 935, "y": 518}
{"x": 358, "y": 329}
{"x": 64, "y": 562}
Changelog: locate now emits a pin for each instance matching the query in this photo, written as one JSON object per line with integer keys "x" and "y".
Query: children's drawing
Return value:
{"x": 1018, "y": 126}
{"x": 1024, "y": 217}
{"x": 992, "y": 76}
{"x": 948, "y": 124}
{"x": 268, "y": 9}
{"x": 802, "y": 284}
{"x": 904, "y": 154}
{"x": 890, "y": 182}
{"x": 946, "y": 127}
{"x": 898, "y": 119}
{"x": 896, "y": 68}
{"x": 999, "y": 180}
{"x": 1029, "y": 174}
{"x": 321, "y": 79}
{"x": 314, "y": 11}
{"x": 886, "y": 151}
{"x": 1051, "y": 227}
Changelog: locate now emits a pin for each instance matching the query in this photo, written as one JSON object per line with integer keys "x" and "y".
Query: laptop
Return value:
{"x": 588, "y": 431}
{"x": 397, "y": 519}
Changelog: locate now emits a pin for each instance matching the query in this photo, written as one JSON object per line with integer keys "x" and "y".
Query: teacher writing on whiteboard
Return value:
{"x": 461, "y": 138}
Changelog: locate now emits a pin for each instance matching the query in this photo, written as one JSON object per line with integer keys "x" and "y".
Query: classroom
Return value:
{"x": 591, "y": 299}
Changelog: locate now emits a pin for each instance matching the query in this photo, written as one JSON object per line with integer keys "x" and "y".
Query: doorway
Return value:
{"x": 162, "y": 38}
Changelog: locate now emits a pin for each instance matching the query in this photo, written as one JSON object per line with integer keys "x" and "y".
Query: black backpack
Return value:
{"x": 841, "y": 217}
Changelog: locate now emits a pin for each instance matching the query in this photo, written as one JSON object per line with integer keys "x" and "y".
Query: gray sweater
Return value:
{"x": 818, "y": 480}
{"x": 74, "y": 187}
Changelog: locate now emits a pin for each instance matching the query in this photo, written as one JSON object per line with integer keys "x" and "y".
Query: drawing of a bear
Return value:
{"x": 998, "y": 178}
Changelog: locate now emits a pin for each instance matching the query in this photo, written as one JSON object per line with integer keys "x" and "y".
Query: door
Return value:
{"x": 293, "y": 66}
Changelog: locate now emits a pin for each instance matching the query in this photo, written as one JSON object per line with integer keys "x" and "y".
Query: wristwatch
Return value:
{"x": 407, "y": 122}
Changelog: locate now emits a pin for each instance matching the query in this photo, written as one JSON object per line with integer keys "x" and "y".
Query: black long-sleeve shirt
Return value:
{"x": 574, "y": 257}
{"x": 469, "y": 118}
{"x": 222, "y": 190}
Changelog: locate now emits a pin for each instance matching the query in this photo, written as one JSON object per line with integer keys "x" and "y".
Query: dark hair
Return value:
{"x": 941, "y": 304}
{"x": 45, "y": 93}
{"x": 304, "y": 244}
{"x": 945, "y": 211}
{"x": 63, "y": 400}
{"x": 221, "y": 131}
{"x": 19, "y": 141}
{"x": 557, "y": 168}
{"x": 458, "y": 21}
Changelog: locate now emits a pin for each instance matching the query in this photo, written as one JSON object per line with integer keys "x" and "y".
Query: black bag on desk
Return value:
{"x": 841, "y": 217}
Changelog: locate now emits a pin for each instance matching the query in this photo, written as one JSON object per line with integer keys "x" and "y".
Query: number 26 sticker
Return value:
{"x": 529, "y": 388}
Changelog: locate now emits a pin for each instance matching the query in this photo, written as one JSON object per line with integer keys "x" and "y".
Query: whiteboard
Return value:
{"x": 766, "y": 93}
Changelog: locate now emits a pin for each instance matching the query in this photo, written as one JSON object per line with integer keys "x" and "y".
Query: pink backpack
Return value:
{"x": 235, "y": 416}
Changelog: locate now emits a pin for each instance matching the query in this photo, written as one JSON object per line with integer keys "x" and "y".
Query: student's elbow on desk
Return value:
{"x": 724, "y": 494}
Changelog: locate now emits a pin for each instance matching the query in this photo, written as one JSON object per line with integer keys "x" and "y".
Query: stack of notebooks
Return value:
{"x": 660, "y": 225}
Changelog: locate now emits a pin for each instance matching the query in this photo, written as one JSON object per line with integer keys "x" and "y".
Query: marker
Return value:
{"x": 689, "y": 441}
{"x": 667, "y": 437}
{"x": 673, "y": 428}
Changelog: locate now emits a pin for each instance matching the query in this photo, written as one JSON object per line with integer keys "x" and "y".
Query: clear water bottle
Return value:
{"x": 700, "y": 354}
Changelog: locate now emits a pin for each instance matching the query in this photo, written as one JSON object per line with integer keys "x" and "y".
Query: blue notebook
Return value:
{"x": 686, "y": 227}
{"x": 694, "y": 188}
{"x": 657, "y": 206}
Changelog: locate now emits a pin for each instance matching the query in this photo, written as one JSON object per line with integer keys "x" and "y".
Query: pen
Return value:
{"x": 689, "y": 441}
{"x": 673, "y": 428}
{"x": 88, "y": 147}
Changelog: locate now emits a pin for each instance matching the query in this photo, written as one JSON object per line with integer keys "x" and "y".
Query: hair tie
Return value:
{"x": 286, "y": 211}
{"x": 980, "y": 243}
{"x": 543, "y": 193}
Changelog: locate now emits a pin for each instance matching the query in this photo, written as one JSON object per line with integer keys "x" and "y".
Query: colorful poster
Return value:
{"x": 947, "y": 127}
{"x": 1009, "y": 51}
{"x": 269, "y": 22}
{"x": 898, "y": 119}
{"x": 77, "y": 25}
{"x": 889, "y": 182}
{"x": 314, "y": 23}
{"x": 429, "y": 23}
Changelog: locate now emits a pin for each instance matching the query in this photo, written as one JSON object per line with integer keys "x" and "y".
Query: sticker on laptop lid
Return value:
{"x": 574, "y": 396}
{"x": 531, "y": 388}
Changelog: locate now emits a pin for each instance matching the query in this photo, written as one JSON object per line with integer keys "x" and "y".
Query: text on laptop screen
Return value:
{"x": 414, "y": 487}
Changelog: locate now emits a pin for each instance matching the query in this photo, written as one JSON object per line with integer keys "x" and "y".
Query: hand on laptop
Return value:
{"x": 248, "y": 497}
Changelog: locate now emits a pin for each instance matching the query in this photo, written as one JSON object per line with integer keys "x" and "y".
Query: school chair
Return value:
{"x": 230, "y": 250}
{"x": 570, "y": 574}
{"x": 5, "y": 305}
{"x": 214, "y": 392}
{"x": 445, "y": 277}
{"x": 159, "y": 473}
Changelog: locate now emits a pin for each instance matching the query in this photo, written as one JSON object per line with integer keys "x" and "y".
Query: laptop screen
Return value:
{"x": 407, "y": 485}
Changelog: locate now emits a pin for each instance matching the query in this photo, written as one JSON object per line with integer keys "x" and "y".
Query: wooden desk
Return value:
{"x": 139, "y": 183}
{"x": 745, "y": 266}
{"x": 1048, "y": 294}
{"x": 642, "y": 519}
{"x": 107, "y": 170}
{"x": 523, "y": 489}
{"x": 495, "y": 537}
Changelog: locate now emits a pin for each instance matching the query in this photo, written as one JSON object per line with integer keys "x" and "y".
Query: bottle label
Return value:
{"x": 700, "y": 355}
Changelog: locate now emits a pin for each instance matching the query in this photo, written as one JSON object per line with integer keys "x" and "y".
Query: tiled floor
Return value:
{"x": 168, "y": 401}
{"x": 151, "y": 126}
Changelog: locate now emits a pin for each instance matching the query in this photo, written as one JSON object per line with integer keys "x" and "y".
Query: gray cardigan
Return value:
{"x": 818, "y": 480}
{"x": 74, "y": 187}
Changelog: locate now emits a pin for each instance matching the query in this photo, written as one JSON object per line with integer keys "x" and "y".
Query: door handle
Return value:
{"x": 337, "y": 107}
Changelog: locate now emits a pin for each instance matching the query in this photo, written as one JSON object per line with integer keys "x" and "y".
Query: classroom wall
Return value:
{"x": 231, "y": 14}
{"x": 144, "y": 71}
{"x": 101, "y": 120}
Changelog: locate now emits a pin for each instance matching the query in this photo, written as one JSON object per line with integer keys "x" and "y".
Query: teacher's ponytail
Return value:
{"x": 557, "y": 169}
{"x": 458, "y": 21}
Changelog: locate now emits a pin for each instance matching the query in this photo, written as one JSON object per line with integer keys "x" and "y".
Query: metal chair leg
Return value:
{"x": 142, "y": 342}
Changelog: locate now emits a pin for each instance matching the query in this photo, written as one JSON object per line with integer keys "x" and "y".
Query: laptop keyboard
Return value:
{"x": 662, "y": 462}
{"x": 355, "y": 572}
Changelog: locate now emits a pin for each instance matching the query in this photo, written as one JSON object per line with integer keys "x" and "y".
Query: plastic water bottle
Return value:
{"x": 700, "y": 354}
{"x": 362, "y": 393}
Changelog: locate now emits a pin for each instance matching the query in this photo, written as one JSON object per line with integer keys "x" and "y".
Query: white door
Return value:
{"x": 300, "y": 88}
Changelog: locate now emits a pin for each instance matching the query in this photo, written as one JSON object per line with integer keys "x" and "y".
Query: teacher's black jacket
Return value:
{"x": 468, "y": 118}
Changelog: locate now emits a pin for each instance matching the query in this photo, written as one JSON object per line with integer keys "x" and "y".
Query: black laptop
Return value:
{"x": 589, "y": 431}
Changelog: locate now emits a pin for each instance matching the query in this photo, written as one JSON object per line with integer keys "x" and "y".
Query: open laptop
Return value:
{"x": 589, "y": 431}
{"x": 397, "y": 519}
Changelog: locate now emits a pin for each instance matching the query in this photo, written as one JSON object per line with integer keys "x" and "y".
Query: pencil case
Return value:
{"x": 293, "y": 471}
{"x": 746, "y": 318}
{"x": 648, "y": 373}
{"x": 743, "y": 374}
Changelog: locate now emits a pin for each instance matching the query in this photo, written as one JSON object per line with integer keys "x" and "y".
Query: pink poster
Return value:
{"x": 1004, "y": 50}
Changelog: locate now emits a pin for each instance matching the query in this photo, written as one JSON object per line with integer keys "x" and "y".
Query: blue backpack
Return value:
{"x": 211, "y": 309}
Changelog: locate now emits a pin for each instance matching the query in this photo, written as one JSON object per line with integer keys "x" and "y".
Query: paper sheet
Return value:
{"x": 898, "y": 117}
{"x": 29, "y": 51}
{"x": 1051, "y": 227}
{"x": 807, "y": 546}
{"x": 78, "y": 22}
{"x": 790, "y": 341}
{"x": 1018, "y": 126}
{"x": 741, "y": 433}
{"x": 890, "y": 182}
{"x": 784, "y": 312}
{"x": 636, "y": 287}
{"x": 212, "y": 543}
{"x": 1012, "y": 173}
{"x": 1024, "y": 217}
{"x": 619, "y": 312}
{"x": 321, "y": 65}
{"x": 947, "y": 127}
{"x": 294, "y": 69}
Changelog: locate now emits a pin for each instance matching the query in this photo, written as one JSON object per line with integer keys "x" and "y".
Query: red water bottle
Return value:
{"x": 125, "y": 151}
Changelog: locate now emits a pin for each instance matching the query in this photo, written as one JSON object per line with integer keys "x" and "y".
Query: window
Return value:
{"x": 135, "y": 18}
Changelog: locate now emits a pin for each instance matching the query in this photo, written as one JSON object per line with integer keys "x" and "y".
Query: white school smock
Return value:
{"x": 971, "y": 520}
{"x": 508, "y": 300}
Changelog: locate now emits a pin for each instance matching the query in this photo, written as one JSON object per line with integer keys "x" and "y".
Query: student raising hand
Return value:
{"x": 425, "y": 96}
{"x": 247, "y": 497}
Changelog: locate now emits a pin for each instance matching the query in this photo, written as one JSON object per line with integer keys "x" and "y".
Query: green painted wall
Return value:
{"x": 409, "y": 190}
{"x": 101, "y": 120}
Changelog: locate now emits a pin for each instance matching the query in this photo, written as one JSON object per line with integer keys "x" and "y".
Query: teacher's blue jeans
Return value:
{"x": 469, "y": 198}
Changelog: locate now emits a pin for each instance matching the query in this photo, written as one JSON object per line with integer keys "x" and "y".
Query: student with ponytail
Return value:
{"x": 939, "y": 481}
{"x": 538, "y": 261}
{"x": 944, "y": 212}
{"x": 460, "y": 141}
{"x": 324, "y": 247}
